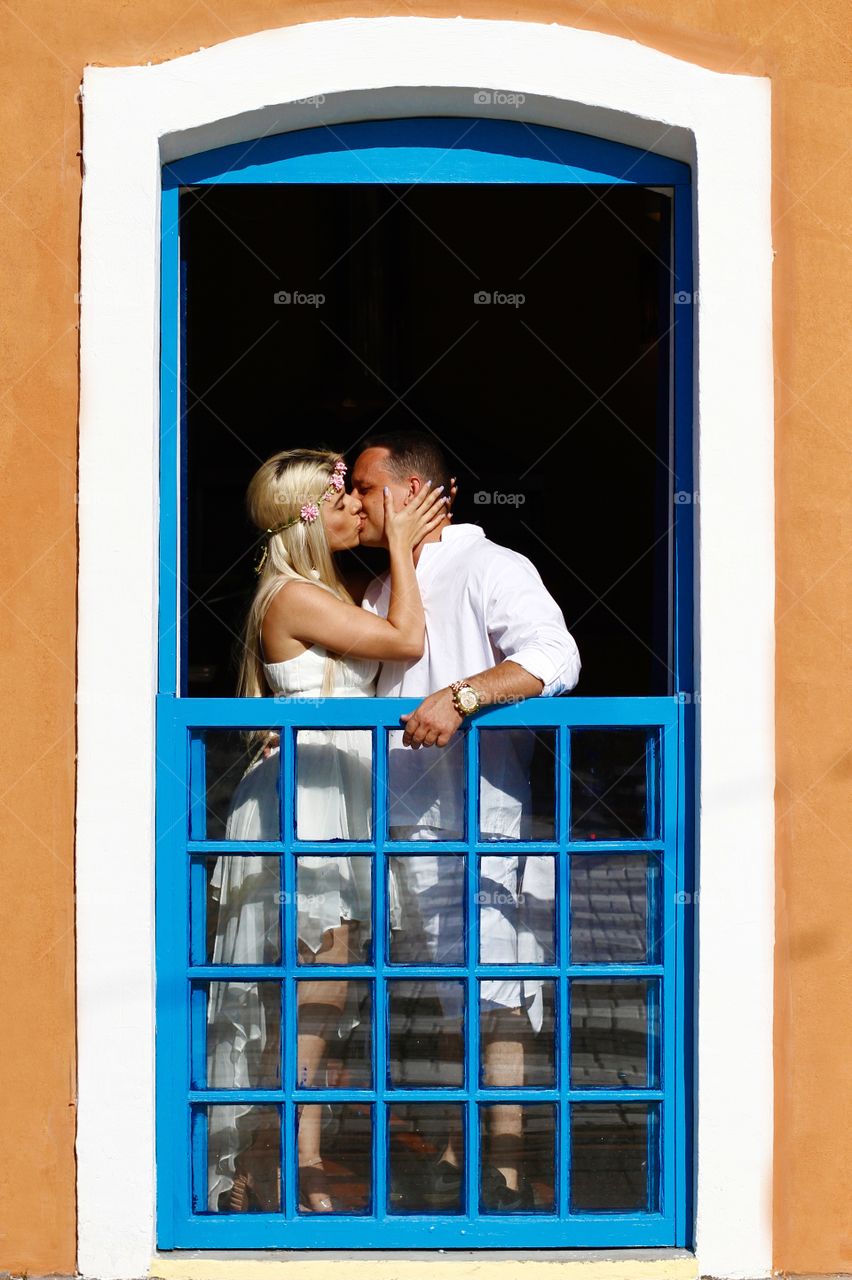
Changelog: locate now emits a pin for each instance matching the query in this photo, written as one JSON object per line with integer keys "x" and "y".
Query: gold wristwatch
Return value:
{"x": 465, "y": 698}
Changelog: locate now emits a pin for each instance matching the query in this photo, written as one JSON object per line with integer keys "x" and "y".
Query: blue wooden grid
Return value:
{"x": 182, "y": 725}
{"x": 404, "y": 151}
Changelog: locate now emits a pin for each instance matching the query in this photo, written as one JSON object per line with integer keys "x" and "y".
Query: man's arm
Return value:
{"x": 526, "y": 626}
{"x": 435, "y": 721}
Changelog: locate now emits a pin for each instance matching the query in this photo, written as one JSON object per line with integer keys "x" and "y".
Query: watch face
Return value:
{"x": 468, "y": 699}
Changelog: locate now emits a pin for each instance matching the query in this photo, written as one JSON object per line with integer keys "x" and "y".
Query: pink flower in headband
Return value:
{"x": 309, "y": 512}
{"x": 336, "y": 482}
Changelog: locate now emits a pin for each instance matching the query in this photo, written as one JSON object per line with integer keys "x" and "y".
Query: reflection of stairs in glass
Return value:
{"x": 609, "y": 1034}
{"x": 425, "y": 1044}
{"x": 609, "y": 908}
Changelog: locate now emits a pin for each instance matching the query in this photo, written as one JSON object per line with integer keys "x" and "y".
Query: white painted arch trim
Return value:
{"x": 368, "y": 68}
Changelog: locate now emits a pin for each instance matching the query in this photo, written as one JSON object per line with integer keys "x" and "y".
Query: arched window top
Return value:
{"x": 454, "y": 149}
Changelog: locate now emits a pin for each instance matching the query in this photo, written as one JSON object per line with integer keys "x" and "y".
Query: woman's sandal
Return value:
{"x": 243, "y": 1197}
{"x": 313, "y": 1189}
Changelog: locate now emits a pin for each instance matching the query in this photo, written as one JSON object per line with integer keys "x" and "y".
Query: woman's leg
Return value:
{"x": 320, "y": 1006}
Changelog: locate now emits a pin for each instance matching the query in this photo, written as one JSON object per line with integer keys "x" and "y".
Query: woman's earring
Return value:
{"x": 315, "y": 574}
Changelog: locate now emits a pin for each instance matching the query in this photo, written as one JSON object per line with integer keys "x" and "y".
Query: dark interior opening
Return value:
{"x": 552, "y": 400}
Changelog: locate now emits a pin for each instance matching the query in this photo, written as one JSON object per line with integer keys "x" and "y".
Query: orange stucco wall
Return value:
{"x": 806, "y": 47}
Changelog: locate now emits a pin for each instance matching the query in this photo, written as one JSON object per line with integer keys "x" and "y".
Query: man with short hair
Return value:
{"x": 494, "y": 634}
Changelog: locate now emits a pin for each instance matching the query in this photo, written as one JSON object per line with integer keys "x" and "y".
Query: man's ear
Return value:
{"x": 414, "y": 486}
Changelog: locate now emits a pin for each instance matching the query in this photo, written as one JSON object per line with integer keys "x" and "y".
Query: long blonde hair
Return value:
{"x": 276, "y": 494}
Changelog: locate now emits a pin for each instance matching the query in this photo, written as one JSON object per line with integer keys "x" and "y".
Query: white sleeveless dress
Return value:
{"x": 333, "y": 799}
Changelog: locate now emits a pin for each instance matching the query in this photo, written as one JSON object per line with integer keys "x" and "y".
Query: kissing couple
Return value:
{"x": 461, "y": 623}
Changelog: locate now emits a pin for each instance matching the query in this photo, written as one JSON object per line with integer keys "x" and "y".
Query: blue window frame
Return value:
{"x": 584, "y": 1117}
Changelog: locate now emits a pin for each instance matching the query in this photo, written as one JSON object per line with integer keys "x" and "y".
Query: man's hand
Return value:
{"x": 433, "y": 723}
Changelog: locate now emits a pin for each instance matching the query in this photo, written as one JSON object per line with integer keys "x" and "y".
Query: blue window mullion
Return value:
{"x": 672, "y": 922}
{"x": 170, "y": 308}
{"x": 563, "y": 1023}
{"x": 426, "y": 973}
{"x": 174, "y": 1137}
{"x": 288, "y": 935}
{"x": 678, "y": 1120}
{"x": 527, "y": 1093}
{"x": 381, "y": 869}
{"x": 198, "y": 1035}
{"x": 686, "y": 986}
{"x": 652, "y": 773}
{"x": 182, "y": 604}
{"x": 197, "y": 1121}
{"x": 472, "y": 1054}
{"x": 197, "y": 791}
{"x": 198, "y": 914}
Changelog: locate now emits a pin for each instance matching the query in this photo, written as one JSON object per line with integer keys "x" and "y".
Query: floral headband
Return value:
{"x": 308, "y": 512}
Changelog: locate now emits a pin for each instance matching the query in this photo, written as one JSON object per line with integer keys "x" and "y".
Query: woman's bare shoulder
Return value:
{"x": 295, "y": 593}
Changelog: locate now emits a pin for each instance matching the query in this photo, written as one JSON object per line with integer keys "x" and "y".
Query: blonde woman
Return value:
{"x": 304, "y": 635}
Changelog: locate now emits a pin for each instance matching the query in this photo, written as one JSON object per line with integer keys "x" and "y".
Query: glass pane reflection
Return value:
{"x": 517, "y": 906}
{"x": 426, "y": 899}
{"x": 334, "y": 1034}
{"x": 334, "y": 910}
{"x": 335, "y": 1158}
{"x": 243, "y": 1160}
{"x": 517, "y": 1033}
{"x": 519, "y": 1157}
{"x": 243, "y": 1035}
{"x": 426, "y": 1170}
{"x": 614, "y": 907}
{"x": 609, "y": 798}
{"x": 235, "y": 787}
{"x": 425, "y": 790}
{"x": 615, "y": 1032}
{"x": 517, "y": 784}
{"x": 243, "y": 909}
{"x": 334, "y": 784}
{"x": 426, "y": 1031}
{"x": 610, "y": 1150}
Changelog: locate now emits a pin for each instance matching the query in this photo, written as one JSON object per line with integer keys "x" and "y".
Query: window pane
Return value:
{"x": 234, "y": 787}
{"x": 517, "y": 905}
{"x": 426, "y": 1027}
{"x": 609, "y": 792}
{"x": 426, "y": 1168}
{"x": 334, "y": 771}
{"x": 425, "y": 790}
{"x": 517, "y": 787}
{"x": 243, "y": 1035}
{"x": 426, "y": 909}
{"x": 243, "y": 1160}
{"x": 335, "y": 1158}
{"x": 517, "y": 1033}
{"x": 334, "y": 1036}
{"x": 334, "y": 910}
{"x": 610, "y": 1149}
{"x": 614, "y": 1033}
{"x": 242, "y": 921}
{"x": 614, "y": 905}
{"x": 518, "y": 1157}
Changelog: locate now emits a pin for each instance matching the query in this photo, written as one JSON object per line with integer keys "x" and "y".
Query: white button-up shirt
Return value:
{"x": 484, "y": 604}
